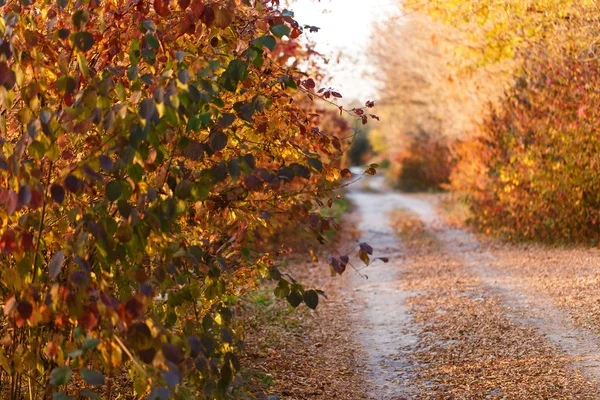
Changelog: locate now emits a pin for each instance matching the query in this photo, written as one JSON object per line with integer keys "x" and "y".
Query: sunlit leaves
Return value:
{"x": 151, "y": 152}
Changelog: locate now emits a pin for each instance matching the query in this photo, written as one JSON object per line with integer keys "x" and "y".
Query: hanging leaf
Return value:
{"x": 366, "y": 248}
{"x": 223, "y": 17}
{"x": 106, "y": 162}
{"x": 311, "y": 299}
{"x": 25, "y": 309}
{"x": 114, "y": 189}
{"x": 24, "y": 195}
{"x": 267, "y": 41}
{"x": 92, "y": 377}
{"x": 295, "y": 298}
{"x": 60, "y": 376}
{"x": 162, "y": 7}
{"x": 56, "y": 263}
{"x": 281, "y": 30}
{"x": 217, "y": 140}
{"x": 58, "y": 193}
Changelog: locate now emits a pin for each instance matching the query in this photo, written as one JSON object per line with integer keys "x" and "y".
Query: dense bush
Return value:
{"x": 425, "y": 164}
{"x": 147, "y": 148}
{"x": 533, "y": 172}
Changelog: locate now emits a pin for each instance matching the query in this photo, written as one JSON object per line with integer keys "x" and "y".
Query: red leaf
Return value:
{"x": 309, "y": 83}
{"x": 346, "y": 173}
{"x": 336, "y": 94}
{"x": 366, "y": 248}
{"x": 36, "y": 200}
{"x": 162, "y": 7}
{"x": 88, "y": 320}
{"x": 197, "y": 8}
{"x": 26, "y": 241}
{"x": 12, "y": 202}
{"x": 208, "y": 16}
{"x": 25, "y": 309}
{"x": 7, "y": 242}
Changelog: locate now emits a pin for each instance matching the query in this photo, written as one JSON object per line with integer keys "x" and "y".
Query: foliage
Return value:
{"x": 504, "y": 28}
{"x": 528, "y": 172}
{"x": 428, "y": 96}
{"x": 147, "y": 147}
{"x": 423, "y": 165}
{"x": 360, "y": 149}
{"x": 532, "y": 174}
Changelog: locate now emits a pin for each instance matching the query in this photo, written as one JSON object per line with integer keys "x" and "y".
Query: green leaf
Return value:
{"x": 283, "y": 289}
{"x": 135, "y": 172}
{"x": 90, "y": 343}
{"x": 311, "y": 299}
{"x": 89, "y": 394}
{"x": 152, "y": 41}
{"x": 84, "y": 41}
{"x": 295, "y": 298}
{"x": 315, "y": 163}
{"x": 133, "y": 72}
{"x": 267, "y": 41}
{"x": 60, "y": 376}
{"x": 113, "y": 190}
{"x": 62, "y": 396}
{"x": 236, "y": 70}
{"x": 260, "y": 102}
{"x": 217, "y": 141}
{"x": 281, "y": 30}
{"x": 75, "y": 353}
{"x": 92, "y": 377}
{"x": 80, "y": 18}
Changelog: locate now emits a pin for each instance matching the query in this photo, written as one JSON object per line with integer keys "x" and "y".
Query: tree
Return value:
{"x": 427, "y": 91}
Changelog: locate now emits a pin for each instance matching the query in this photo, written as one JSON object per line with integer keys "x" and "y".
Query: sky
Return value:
{"x": 345, "y": 29}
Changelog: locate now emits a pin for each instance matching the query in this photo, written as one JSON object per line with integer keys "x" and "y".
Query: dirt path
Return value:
{"x": 449, "y": 320}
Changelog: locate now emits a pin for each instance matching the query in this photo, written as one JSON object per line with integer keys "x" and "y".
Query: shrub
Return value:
{"x": 532, "y": 172}
{"x": 425, "y": 164}
{"x": 147, "y": 148}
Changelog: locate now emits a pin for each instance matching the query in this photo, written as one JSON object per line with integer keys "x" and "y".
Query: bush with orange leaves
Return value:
{"x": 533, "y": 171}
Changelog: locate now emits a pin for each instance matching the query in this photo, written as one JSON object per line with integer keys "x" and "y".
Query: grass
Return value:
{"x": 338, "y": 208}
